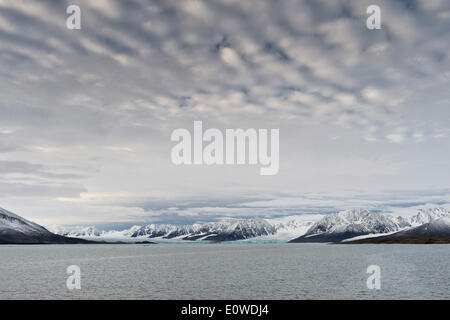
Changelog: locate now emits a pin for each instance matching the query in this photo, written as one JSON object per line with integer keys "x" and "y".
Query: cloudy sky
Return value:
{"x": 86, "y": 115}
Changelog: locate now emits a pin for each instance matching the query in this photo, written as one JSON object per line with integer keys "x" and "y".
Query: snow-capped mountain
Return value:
{"x": 290, "y": 227}
{"x": 284, "y": 228}
{"x": 428, "y": 215}
{"x": 226, "y": 230}
{"x": 17, "y": 230}
{"x": 11, "y": 221}
{"x": 437, "y": 227}
{"x": 349, "y": 224}
{"x": 77, "y": 231}
{"x": 435, "y": 231}
{"x": 335, "y": 227}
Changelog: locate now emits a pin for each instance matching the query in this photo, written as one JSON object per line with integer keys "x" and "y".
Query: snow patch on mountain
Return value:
{"x": 11, "y": 221}
{"x": 283, "y": 228}
{"x": 77, "y": 231}
{"x": 17, "y": 230}
{"x": 225, "y": 230}
{"x": 355, "y": 221}
{"x": 428, "y": 215}
{"x": 355, "y": 224}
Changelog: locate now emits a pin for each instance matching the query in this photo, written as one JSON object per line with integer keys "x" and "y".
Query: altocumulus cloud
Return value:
{"x": 86, "y": 115}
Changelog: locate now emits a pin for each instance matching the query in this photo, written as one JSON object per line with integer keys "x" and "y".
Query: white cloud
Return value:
{"x": 95, "y": 108}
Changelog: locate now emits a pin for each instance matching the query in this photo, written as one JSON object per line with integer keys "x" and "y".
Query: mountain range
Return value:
{"x": 347, "y": 225}
{"x": 351, "y": 226}
{"x": 282, "y": 229}
{"x": 363, "y": 226}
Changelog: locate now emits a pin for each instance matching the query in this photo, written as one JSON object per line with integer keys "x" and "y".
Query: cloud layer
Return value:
{"x": 86, "y": 115}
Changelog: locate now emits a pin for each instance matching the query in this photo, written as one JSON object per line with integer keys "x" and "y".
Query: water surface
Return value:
{"x": 225, "y": 271}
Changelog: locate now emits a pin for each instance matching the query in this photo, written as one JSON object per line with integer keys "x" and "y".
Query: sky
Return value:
{"x": 86, "y": 115}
